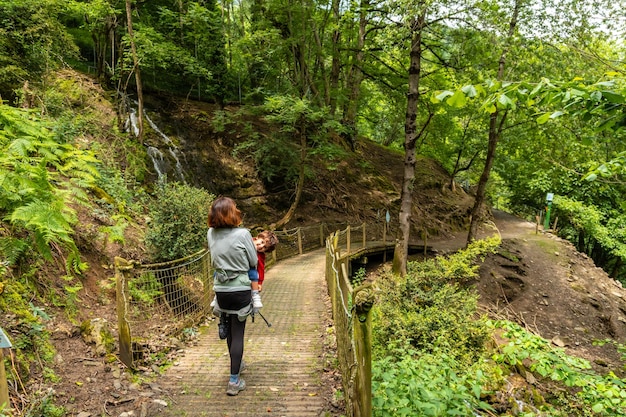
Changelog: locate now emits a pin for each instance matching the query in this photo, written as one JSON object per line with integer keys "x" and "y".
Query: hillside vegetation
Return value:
{"x": 95, "y": 194}
{"x": 57, "y": 280}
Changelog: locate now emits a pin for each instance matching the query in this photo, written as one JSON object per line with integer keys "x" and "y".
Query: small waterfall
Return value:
{"x": 172, "y": 149}
{"x": 132, "y": 117}
{"x": 131, "y": 122}
{"x": 159, "y": 163}
{"x": 158, "y": 159}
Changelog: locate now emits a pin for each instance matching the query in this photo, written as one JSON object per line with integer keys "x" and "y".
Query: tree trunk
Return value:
{"x": 335, "y": 66}
{"x": 129, "y": 18}
{"x": 355, "y": 78}
{"x": 476, "y": 215}
{"x": 401, "y": 249}
{"x": 495, "y": 130}
{"x": 300, "y": 185}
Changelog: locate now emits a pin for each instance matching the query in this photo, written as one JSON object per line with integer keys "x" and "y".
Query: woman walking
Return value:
{"x": 233, "y": 254}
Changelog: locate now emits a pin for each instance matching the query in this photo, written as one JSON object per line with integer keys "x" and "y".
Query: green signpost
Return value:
{"x": 549, "y": 198}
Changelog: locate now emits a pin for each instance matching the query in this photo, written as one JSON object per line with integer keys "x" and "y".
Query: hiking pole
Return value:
{"x": 264, "y": 319}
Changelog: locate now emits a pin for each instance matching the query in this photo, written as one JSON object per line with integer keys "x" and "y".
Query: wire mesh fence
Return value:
{"x": 160, "y": 301}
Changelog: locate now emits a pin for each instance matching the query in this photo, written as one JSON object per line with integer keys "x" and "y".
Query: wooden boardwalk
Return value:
{"x": 285, "y": 362}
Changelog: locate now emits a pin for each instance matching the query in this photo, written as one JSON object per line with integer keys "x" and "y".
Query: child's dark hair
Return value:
{"x": 270, "y": 240}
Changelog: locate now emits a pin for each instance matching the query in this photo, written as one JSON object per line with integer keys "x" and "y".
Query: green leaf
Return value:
{"x": 612, "y": 97}
{"x": 458, "y": 99}
{"x": 440, "y": 96}
{"x": 543, "y": 118}
{"x": 506, "y": 102}
{"x": 597, "y": 408}
{"x": 470, "y": 90}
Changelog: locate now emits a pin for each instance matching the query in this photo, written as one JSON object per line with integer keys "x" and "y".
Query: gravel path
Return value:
{"x": 284, "y": 375}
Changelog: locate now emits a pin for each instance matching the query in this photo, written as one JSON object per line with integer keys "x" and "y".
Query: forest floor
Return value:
{"x": 542, "y": 282}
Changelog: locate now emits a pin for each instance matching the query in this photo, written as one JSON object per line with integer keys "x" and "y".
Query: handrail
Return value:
{"x": 353, "y": 336}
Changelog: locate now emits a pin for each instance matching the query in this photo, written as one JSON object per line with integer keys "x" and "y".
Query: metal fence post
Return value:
{"x": 122, "y": 266}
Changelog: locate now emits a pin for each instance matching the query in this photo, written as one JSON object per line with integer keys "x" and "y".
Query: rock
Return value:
{"x": 557, "y": 341}
{"x": 98, "y": 332}
{"x": 83, "y": 414}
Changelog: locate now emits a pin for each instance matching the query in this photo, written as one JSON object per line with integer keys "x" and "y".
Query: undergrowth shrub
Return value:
{"x": 601, "y": 394}
{"x": 428, "y": 310}
{"x": 178, "y": 223}
{"x": 410, "y": 383}
{"x": 27, "y": 329}
{"x": 435, "y": 364}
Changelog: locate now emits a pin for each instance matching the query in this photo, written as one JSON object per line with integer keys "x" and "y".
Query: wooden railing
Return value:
{"x": 352, "y": 318}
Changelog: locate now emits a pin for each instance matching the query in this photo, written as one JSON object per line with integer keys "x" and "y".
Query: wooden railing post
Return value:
{"x": 362, "y": 328}
{"x": 385, "y": 242}
{"x": 5, "y": 405}
{"x": 4, "y": 386}
{"x": 354, "y": 326}
{"x": 122, "y": 266}
{"x": 300, "y": 241}
{"x": 322, "y": 237}
{"x": 364, "y": 237}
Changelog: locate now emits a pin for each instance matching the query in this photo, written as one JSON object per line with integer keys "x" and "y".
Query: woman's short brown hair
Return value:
{"x": 224, "y": 213}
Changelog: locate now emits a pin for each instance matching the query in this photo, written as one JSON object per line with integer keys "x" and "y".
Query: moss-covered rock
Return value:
{"x": 98, "y": 332}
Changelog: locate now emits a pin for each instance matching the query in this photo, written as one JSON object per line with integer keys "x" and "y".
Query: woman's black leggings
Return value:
{"x": 235, "y": 342}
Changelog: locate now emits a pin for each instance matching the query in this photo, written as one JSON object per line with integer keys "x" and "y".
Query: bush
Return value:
{"x": 429, "y": 311}
{"x": 178, "y": 221}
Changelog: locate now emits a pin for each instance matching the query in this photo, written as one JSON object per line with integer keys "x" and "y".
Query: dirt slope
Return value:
{"x": 543, "y": 283}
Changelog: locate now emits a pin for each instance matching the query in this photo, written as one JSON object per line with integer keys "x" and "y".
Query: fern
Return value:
{"x": 39, "y": 179}
{"x": 11, "y": 249}
{"x": 47, "y": 218}
{"x": 73, "y": 263}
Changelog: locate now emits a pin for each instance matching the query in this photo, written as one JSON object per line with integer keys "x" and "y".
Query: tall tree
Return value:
{"x": 355, "y": 76}
{"x": 496, "y": 124}
{"x": 136, "y": 69}
{"x": 411, "y": 135}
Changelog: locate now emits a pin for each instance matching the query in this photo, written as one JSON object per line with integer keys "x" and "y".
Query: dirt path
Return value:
{"x": 285, "y": 363}
{"x": 542, "y": 282}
